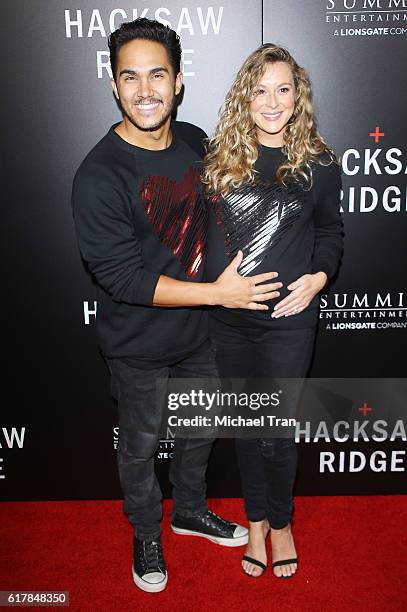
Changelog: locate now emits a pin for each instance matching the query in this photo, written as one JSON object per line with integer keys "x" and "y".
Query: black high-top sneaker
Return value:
{"x": 149, "y": 572}
{"x": 211, "y": 526}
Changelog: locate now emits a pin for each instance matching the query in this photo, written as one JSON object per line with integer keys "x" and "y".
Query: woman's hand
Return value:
{"x": 303, "y": 291}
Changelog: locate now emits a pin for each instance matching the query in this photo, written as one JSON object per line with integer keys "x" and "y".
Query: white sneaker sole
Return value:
{"x": 232, "y": 542}
{"x": 149, "y": 587}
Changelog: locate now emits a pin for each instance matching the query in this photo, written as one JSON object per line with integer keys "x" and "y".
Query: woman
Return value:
{"x": 275, "y": 189}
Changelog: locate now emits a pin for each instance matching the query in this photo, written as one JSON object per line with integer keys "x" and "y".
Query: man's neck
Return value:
{"x": 155, "y": 140}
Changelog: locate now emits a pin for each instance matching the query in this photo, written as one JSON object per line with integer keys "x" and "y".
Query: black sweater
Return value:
{"x": 139, "y": 214}
{"x": 289, "y": 230}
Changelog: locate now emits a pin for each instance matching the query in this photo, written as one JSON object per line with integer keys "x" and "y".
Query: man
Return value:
{"x": 141, "y": 221}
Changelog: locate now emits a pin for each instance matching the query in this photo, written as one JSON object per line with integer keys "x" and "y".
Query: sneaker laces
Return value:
{"x": 153, "y": 553}
{"x": 219, "y": 519}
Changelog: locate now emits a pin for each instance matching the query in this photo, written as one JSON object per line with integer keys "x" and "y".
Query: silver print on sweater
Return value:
{"x": 255, "y": 217}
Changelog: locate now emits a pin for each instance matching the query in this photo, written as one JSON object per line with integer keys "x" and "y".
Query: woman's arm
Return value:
{"x": 328, "y": 248}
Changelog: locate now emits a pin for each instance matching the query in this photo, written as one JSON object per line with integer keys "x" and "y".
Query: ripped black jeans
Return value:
{"x": 141, "y": 405}
{"x": 267, "y": 465}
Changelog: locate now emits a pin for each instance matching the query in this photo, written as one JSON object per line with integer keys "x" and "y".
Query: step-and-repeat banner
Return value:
{"x": 58, "y": 428}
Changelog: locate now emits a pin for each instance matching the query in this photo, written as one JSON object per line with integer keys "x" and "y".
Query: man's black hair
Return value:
{"x": 145, "y": 29}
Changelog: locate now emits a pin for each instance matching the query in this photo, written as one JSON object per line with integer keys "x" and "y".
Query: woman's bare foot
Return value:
{"x": 282, "y": 546}
{"x": 256, "y": 547}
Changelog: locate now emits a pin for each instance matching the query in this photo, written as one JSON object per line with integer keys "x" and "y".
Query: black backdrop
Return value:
{"x": 57, "y": 429}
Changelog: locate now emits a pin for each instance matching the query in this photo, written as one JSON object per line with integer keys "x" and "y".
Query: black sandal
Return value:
{"x": 284, "y": 562}
{"x": 255, "y": 562}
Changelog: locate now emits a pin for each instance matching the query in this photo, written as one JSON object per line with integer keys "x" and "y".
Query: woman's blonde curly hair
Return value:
{"x": 234, "y": 148}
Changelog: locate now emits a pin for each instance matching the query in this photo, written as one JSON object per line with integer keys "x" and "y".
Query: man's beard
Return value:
{"x": 155, "y": 126}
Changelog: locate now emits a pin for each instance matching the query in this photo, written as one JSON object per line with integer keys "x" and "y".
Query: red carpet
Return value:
{"x": 352, "y": 557}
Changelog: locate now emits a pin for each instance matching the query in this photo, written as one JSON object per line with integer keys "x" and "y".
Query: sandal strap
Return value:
{"x": 255, "y": 562}
{"x": 284, "y": 562}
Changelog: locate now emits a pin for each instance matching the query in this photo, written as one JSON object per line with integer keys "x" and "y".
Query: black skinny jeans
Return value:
{"x": 267, "y": 466}
{"x": 141, "y": 403}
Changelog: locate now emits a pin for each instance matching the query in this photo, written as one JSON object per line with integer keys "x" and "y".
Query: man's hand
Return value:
{"x": 236, "y": 291}
{"x": 303, "y": 291}
{"x": 230, "y": 290}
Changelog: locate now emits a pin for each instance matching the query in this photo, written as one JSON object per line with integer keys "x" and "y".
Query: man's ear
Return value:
{"x": 178, "y": 83}
{"x": 114, "y": 87}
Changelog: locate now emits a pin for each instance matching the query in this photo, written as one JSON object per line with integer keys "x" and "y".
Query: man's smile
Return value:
{"x": 150, "y": 105}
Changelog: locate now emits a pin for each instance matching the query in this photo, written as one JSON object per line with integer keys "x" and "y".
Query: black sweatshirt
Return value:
{"x": 289, "y": 230}
{"x": 139, "y": 214}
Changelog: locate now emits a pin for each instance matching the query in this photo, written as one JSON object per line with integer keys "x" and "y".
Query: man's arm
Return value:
{"x": 113, "y": 253}
{"x": 230, "y": 290}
